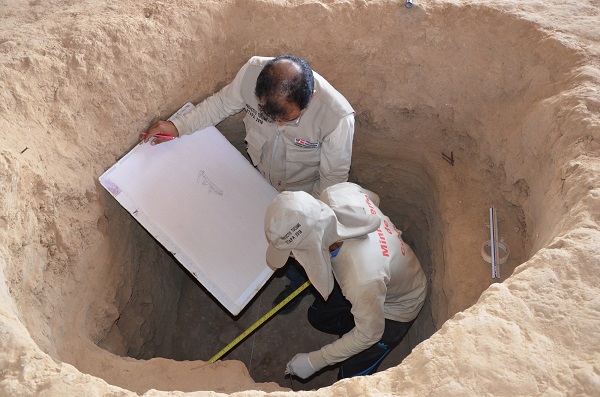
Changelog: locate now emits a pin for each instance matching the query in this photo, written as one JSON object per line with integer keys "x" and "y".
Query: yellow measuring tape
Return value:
{"x": 259, "y": 322}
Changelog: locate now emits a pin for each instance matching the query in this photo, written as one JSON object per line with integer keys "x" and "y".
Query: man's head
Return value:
{"x": 284, "y": 88}
{"x": 298, "y": 223}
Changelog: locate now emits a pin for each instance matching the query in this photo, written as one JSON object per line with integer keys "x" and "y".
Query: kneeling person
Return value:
{"x": 371, "y": 283}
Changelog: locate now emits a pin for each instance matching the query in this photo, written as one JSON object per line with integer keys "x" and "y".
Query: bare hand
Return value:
{"x": 161, "y": 128}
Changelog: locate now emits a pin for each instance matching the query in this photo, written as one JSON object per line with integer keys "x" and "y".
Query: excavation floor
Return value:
{"x": 208, "y": 328}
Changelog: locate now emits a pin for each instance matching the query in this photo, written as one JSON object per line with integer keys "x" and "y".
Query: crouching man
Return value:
{"x": 371, "y": 283}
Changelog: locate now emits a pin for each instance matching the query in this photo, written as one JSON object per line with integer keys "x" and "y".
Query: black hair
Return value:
{"x": 277, "y": 86}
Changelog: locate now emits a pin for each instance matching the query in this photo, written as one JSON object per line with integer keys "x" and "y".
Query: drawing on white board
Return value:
{"x": 212, "y": 188}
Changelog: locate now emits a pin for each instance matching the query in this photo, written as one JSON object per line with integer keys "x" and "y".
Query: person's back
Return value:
{"x": 379, "y": 257}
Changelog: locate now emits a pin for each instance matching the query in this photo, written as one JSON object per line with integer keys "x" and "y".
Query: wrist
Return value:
{"x": 180, "y": 126}
{"x": 175, "y": 130}
{"x": 316, "y": 360}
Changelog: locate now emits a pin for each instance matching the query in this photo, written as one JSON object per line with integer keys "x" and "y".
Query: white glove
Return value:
{"x": 300, "y": 366}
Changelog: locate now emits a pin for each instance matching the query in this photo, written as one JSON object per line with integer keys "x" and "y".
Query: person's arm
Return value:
{"x": 336, "y": 154}
{"x": 367, "y": 308}
{"x": 214, "y": 109}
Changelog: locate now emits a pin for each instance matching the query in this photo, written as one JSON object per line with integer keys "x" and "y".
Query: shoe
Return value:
{"x": 291, "y": 305}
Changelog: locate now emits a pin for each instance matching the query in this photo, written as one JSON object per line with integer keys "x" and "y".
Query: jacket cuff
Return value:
{"x": 317, "y": 360}
{"x": 182, "y": 127}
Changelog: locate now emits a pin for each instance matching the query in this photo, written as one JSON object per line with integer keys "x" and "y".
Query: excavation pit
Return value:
{"x": 459, "y": 108}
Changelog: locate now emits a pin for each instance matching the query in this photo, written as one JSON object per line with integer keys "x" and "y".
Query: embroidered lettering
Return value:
{"x": 294, "y": 232}
{"x": 254, "y": 114}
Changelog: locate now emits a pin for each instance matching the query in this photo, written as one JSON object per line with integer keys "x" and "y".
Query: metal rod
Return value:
{"x": 494, "y": 243}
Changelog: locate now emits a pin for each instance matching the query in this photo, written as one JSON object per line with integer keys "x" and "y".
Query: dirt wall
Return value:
{"x": 510, "y": 89}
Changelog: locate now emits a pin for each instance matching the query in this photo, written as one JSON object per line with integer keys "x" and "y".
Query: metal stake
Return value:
{"x": 494, "y": 243}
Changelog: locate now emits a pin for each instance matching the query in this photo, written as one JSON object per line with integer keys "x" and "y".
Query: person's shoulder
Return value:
{"x": 361, "y": 277}
{"x": 330, "y": 96}
{"x": 344, "y": 193}
{"x": 259, "y": 60}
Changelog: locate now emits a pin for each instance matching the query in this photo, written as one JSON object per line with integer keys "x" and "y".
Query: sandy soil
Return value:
{"x": 511, "y": 89}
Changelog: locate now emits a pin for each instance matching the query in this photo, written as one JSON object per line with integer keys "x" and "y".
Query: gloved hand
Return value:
{"x": 300, "y": 366}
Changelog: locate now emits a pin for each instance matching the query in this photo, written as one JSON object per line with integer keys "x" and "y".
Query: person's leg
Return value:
{"x": 297, "y": 276}
{"x": 367, "y": 361}
{"x": 332, "y": 316}
{"x": 295, "y": 273}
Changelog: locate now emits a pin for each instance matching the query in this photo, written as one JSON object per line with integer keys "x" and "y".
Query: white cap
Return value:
{"x": 298, "y": 223}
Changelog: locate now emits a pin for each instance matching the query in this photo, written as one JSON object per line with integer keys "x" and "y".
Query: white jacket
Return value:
{"x": 380, "y": 276}
{"x": 310, "y": 157}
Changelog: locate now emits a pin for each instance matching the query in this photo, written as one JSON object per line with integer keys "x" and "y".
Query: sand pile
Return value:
{"x": 511, "y": 90}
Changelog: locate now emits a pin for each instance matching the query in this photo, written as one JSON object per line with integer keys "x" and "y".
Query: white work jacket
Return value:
{"x": 308, "y": 157}
{"x": 379, "y": 275}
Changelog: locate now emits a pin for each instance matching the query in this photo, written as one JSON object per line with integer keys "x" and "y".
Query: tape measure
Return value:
{"x": 257, "y": 324}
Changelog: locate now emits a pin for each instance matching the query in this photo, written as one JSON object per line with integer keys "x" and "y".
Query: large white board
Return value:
{"x": 205, "y": 203}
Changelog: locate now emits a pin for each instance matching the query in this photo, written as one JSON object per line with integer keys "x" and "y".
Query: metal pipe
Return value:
{"x": 494, "y": 243}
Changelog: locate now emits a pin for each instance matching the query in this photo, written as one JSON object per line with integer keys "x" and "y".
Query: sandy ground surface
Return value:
{"x": 510, "y": 89}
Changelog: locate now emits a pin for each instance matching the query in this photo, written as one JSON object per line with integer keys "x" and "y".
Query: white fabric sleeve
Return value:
{"x": 214, "y": 109}
{"x": 367, "y": 307}
{"x": 336, "y": 154}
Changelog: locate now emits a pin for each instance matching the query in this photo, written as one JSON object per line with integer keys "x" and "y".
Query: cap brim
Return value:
{"x": 276, "y": 258}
